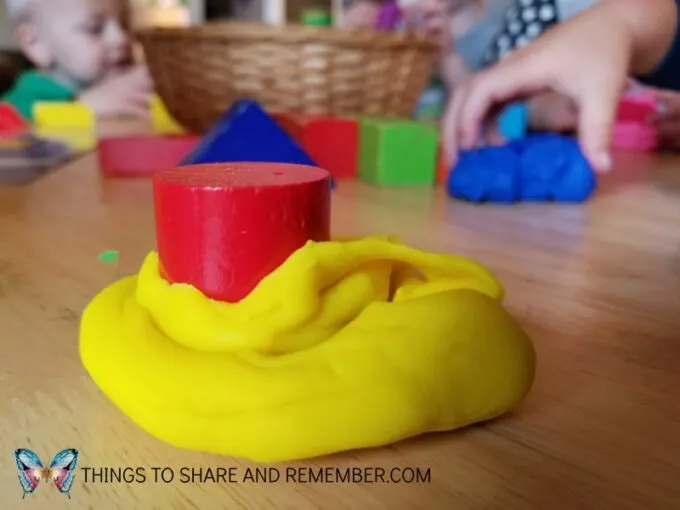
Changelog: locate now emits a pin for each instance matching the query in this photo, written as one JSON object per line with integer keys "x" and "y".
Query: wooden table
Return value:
{"x": 597, "y": 287}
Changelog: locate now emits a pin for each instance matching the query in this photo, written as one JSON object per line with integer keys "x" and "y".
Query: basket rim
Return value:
{"x": 223, "y": 31}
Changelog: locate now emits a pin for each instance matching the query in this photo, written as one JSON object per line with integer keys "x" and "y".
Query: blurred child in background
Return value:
{"x": 429, "y": 17}
{"x": 477, "y": 33}
{"x": 81, "y": 51}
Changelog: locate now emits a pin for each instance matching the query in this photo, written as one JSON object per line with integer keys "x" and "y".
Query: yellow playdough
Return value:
{"x": 348, "y": 344}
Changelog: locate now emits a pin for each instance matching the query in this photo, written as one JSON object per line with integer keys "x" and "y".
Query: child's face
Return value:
{"x": 86, "y": 39}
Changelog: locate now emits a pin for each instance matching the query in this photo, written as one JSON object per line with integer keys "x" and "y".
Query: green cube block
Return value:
{"x": 397, "y": 152}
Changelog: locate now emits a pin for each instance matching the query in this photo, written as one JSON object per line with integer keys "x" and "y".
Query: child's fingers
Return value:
{"x": 669, "y": 96}
{"x": 472, "y": 104}
{"x": 435, "y": 24}
{"x": 360, "y": 16}
{"x": 449, "y": 127}
{"x": 138, "y": 100}
{"x": 133, "y": 110}
{"x": 488, "y": 89}
{"x": 423, "y": 7}
{"x": 597, "y": 113}
{"x": 425, "y": 16}
{"x": 492, "y": 136}
{"x": 668, "y": 107}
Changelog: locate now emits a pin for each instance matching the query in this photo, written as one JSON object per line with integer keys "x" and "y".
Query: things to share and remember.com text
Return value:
{"x": 235, "y": 475}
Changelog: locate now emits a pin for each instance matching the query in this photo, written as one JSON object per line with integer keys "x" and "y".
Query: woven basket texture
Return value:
{"x": 199, "y": 71}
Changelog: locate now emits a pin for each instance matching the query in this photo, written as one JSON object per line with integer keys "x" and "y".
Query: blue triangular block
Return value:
{"x": 246, "y": 132}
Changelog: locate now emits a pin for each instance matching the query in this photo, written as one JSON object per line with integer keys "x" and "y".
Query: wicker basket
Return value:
{"x": 199, "y": 71}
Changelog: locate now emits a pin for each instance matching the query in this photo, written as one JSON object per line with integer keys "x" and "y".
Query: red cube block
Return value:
{"x": 332, "y": 142}
{"x": 292, "y": 123}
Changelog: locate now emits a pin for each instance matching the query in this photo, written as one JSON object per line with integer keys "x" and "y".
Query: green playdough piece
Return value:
{"x": 397, "y": 152}
{"x": 108, "y": 256}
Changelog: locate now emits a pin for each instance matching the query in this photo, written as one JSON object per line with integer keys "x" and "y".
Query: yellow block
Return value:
{"x": 71, "y": 123}
{"x": 162, "y": 121}
{"x": 70, "y": 115}
{"x": 347, "y": 345}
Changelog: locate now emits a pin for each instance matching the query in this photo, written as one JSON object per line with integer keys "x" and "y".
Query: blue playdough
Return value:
{"x": 554, "y": 168}
{"x": 537, "y": 168}
{"x": 247, "y": 133}
{"x": 488, "y": 174}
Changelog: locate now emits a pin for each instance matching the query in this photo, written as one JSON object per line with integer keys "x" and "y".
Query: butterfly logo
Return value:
{"x": 62, "y": 470}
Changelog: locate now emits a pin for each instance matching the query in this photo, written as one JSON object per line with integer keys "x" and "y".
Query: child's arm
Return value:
{"x": 126, "y": 93}
{"x": 587, "y": 58}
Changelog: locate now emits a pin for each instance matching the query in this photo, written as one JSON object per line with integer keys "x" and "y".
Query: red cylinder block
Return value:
{"x": 223, "y": 227}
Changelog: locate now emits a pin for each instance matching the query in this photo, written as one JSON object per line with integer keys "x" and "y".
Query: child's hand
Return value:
{"x": 422, "y": 16}
{"x": 585, "y": 59}
{"x": 667, "y": 120}
{"x": 363, "y": 14}
{"x": 429, "y": 17}
{"x": 549, "y": 111}
{"x": 124, "y": 94}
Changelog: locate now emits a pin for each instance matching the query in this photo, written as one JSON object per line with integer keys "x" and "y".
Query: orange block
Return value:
{"x": 442, "y": 167}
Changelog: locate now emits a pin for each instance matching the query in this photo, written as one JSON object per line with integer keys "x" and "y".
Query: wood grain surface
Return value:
{"x": 597, "y": 286}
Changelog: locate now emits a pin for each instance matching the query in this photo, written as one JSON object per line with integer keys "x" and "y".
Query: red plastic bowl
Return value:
{"x": 144, "y": 155}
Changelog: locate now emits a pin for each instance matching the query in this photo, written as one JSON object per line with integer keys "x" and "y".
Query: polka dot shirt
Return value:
{"x": 524, "y": 21}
